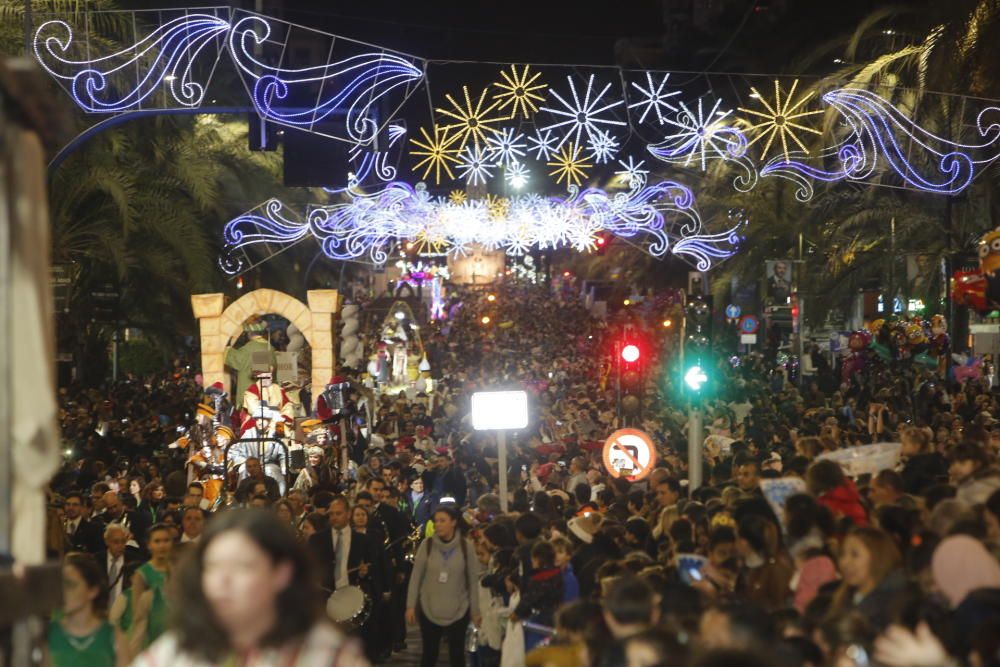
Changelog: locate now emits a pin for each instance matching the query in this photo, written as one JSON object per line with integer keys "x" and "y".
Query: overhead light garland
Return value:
{"x": 662, "y": 216}
{"x": 126, "y": 79}
{"x": 354, "y": 86}
{"x": 578, "y": 128}
{"x": 882, "y": 135}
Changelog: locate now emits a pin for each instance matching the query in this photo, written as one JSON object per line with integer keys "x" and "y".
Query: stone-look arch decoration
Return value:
{"x": 221, "y": 325}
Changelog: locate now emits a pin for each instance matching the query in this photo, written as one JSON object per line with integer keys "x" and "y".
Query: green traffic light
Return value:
{"x": 695, "y": 378}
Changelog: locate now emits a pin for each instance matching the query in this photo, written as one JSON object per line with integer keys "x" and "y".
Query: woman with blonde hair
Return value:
{"x": 871, "y": 571}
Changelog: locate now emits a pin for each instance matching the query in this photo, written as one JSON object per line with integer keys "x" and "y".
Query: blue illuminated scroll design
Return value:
{"x": 271, "y": 222}
{"x": 353, "y": 85}
{"x": 166, "y": 55}
{"x": 372, "y": 161}
{"x": 882, "y": 134}
{"x": 706, "y": 249}
{"x": 662, "y": 215}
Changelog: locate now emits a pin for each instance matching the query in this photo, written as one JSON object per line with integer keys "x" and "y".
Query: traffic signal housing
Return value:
{"x": 630, "y": 363}
{"x": 697, "y": 369}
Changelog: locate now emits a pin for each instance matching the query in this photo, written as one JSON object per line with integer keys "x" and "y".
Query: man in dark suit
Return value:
{"x": 362, "y": 553}
{"x": 119, "y": 560}
{"x": 81, "y": 534}
{"x": 396, "y": 527}
{"x": 361, "y": 568}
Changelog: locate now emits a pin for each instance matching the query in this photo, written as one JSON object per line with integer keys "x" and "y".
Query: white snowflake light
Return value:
{"x": 654, "y": 99}
{"x": 602, "y": 147}
{"x": 475, "y": 166}
{"x": 698, "y": 133}
{"x": 506, "y": 146}
{"x": 582, "y": 115}
{"x": 544, "y": 144}
{"x": 632, "y": 171}
{"x": 516, "y": 174}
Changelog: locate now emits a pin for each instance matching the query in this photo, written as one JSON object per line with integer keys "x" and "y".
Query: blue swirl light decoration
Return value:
{"x": 354, "y": 85}
{"x": 166, "y": 55}
{"x": 882, "y": 135}
{"x": 663, "y": 217}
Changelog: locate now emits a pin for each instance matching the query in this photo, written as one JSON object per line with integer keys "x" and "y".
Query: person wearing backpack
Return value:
{"x": 444, "y": 591}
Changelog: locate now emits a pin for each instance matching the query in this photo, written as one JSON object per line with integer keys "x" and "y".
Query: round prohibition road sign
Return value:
{"x": 629, "y": 453}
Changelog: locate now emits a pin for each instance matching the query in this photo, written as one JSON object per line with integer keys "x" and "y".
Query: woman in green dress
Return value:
{"x": 148, "y": 617}
{"x": 80, "y": 634}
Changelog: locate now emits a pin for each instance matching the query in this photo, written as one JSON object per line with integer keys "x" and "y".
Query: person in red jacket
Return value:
{"x": 834, "y": 490}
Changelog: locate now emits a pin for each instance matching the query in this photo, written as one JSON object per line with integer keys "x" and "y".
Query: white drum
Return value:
{"x": 349, "y": 605}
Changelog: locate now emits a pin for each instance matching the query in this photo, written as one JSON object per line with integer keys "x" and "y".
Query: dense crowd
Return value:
{"x": 897, "y": 568}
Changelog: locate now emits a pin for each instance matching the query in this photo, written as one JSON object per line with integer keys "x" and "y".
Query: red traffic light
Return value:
{"x": 630, "y": 353}
{"x": 601, "y": 240}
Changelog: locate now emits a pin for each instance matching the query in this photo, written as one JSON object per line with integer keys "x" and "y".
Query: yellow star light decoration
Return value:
{"x": 426, "y": 242}
{"x": 497, "y": 206}
{"x": 519, "y": 91}
{"x": 779, "y": 119}
{"x": 436, "y": 152}
{"x": 472, "y": 120}
{"x": 569, "y": 165}
{"x": 458, "y": 197}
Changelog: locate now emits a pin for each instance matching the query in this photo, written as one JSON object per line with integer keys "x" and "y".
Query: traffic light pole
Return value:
{"x": 696, "y": 436}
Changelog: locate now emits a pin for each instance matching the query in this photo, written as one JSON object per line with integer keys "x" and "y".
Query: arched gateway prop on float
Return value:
{"x": 221, "y": 325}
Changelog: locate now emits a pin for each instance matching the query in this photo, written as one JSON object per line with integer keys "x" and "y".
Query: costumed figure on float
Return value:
{"x": 208, "y": 466}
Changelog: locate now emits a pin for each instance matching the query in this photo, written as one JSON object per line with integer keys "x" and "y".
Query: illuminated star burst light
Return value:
{"x": 582, "y": 115}
{"x": 475, "y": 165}
{"x": 699, "y": 134}
{"x": 473, "y": 121}
{"x": 654, "y": 99}
{"x": 516, "y": 174}
{"x": 520, "y": 91}
{"x": 780, "y": 119}
{"x": 506, "y": 146}
{"x": 570, "y": 165}
{"x": 437, "y": 153}
{"x": 543, "y": 144}
{"x": 602, "y": 147}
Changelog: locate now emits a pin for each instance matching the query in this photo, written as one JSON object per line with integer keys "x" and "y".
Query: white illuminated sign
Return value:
{"x": 499, "y": 410}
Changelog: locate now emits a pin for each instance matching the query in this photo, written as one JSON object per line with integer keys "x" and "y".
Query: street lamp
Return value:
{"x": 500, "y": 411}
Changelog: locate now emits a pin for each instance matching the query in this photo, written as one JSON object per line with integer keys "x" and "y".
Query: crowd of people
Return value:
{"x": 392, "y": 519}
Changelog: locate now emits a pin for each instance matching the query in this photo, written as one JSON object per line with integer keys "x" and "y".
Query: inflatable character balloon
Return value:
{"x": 857, "y": 360}
{"x": 980, "y": 290}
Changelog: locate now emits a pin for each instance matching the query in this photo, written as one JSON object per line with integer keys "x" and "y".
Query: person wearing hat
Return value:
{"x": 314, "y": 473}
{"x": 241, "y": 359}
{"x": 588, "y": 557}
{"x": 207, "y": 465}
{"x": 265, "y": 394}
